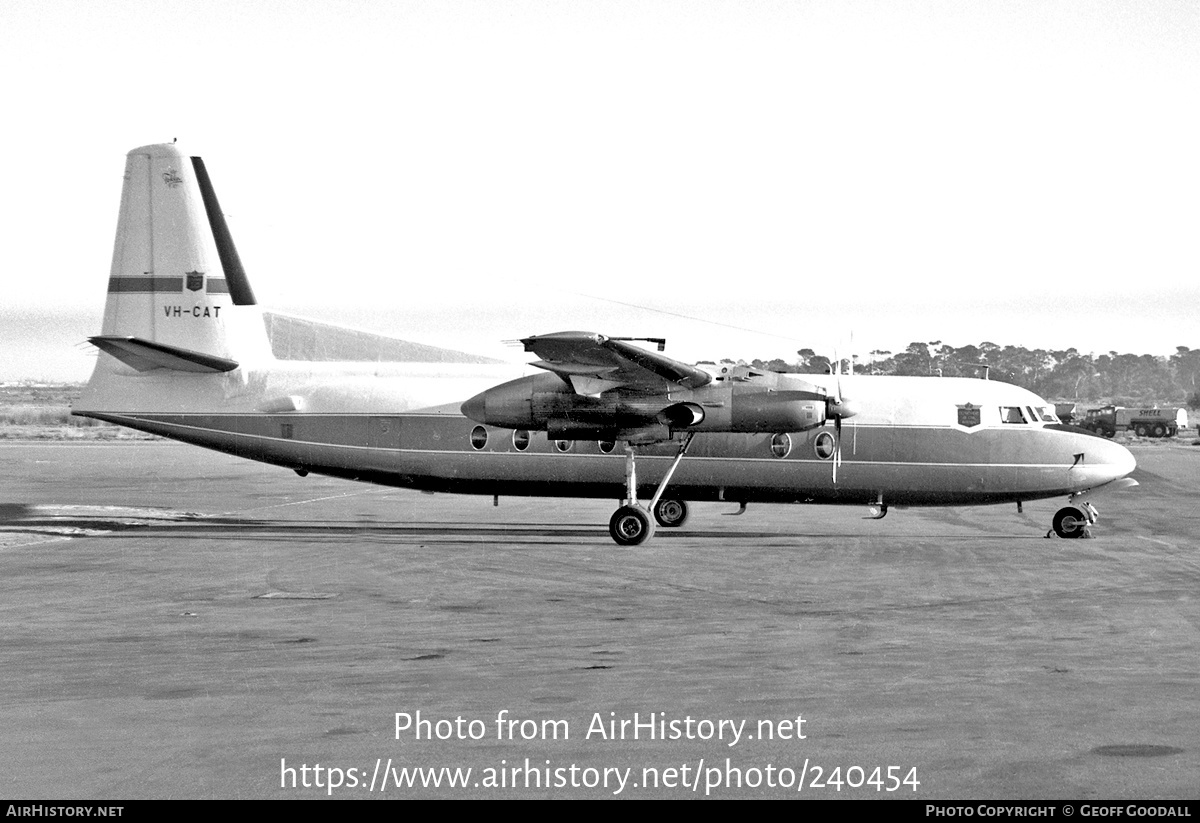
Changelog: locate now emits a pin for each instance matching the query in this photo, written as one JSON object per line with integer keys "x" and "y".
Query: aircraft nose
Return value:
{"x": 1123, "y": 462}
{"x": 1108, "y": 461}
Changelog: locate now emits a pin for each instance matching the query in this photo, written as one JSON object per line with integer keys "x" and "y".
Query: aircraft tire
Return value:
{"x": 671, "y": 514}
{"x": 630, "y": 526}
{"x": 1070, "y": 523}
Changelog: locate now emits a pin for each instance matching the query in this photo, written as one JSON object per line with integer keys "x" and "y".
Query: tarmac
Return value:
{"x": 176, "y": 623}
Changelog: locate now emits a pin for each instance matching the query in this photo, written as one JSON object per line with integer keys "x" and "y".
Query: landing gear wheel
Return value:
{"x": 630, "y": 526}
{"x": 671, "y": 514}
{"x": 1070, "y": 523}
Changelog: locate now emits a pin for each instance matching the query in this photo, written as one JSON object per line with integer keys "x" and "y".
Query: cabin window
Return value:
{"x": 287, "y": 431}
{"x": 823, "y": 445}
{"x": 781, "y": 445}
{"x": 478, "y": 438}
{"x": 563, "y": 445}
{"x": 520, "y": 440}
{"x": 607, "y": 446}
{"x": 1012, "y": 414}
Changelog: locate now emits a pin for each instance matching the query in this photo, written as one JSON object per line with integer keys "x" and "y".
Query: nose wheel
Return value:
{"x": 1072, "y": 522}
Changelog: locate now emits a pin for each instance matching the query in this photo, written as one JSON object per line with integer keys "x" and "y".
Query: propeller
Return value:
{"x": 838, "y": 408}
{"x": 837, "y": 447}
{"x": 837, "y": 421}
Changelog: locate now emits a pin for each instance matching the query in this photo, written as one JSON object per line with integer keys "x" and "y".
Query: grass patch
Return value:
{"x": 26, "y": 415}
{"x": 43, "y": 412}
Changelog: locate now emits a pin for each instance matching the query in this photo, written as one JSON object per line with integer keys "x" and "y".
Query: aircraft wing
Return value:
{"x": 593, "y": 363}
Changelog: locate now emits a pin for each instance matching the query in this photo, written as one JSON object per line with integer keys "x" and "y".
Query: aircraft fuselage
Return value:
{"x": 906, "y": 447}
{"x": 186, "y": 352}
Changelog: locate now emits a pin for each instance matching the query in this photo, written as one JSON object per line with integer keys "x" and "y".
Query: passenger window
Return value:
{"x": 781, "y": 445}
{"x": 479, "y": 437}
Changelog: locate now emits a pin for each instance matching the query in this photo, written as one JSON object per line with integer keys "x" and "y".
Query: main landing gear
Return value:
{"x": 1073, "y": 521}
{"x": 670, "y": 514}
{"x": 633, "y": 524}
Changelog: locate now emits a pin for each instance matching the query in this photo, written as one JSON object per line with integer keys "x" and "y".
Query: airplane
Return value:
{"x": 186, "y": 352}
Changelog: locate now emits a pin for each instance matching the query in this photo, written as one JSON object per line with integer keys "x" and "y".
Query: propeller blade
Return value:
{"x": 837, "y": 447}
{"x": 838, "y": 381}
{"x": 837, "y": 408}
{"x": 837, "y": 376}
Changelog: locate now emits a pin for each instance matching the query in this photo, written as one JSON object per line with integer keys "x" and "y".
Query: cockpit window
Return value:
{"x": 1012, "y": 414}
{"x": 1048, "y": 414}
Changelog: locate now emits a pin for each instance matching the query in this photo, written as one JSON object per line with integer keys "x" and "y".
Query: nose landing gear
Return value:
{"x": 1072, "y": 522}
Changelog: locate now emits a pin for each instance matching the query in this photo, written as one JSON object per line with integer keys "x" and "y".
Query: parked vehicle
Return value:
{"x": 1108, "y": 420}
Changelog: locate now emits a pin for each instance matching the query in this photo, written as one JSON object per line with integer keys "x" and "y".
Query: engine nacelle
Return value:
{"x": 776, "y": 411}
{"x": 544, "y": 402}
{"x": 509, "y": 405}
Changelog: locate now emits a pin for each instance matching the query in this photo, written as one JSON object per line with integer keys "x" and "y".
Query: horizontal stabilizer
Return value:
{"x": 145, "y": 355}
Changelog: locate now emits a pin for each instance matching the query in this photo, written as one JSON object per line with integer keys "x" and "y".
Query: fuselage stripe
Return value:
{"x": 534, "y": 454}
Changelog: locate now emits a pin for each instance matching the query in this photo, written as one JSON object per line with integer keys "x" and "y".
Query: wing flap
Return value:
{"x": 587, "y": 369}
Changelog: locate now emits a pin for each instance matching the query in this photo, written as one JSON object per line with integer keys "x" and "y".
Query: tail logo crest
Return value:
{"x": 195, "y": 280}
{"x": 172, "y": 179}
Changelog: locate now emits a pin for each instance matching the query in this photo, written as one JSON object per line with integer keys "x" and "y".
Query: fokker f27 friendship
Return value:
{"x": 186, "y": 352}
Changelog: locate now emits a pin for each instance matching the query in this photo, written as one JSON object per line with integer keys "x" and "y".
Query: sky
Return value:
{"x": 743, "y": 178}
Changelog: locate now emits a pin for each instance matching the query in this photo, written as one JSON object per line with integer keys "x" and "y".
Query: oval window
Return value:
{"x": 521, "y": 440}
{"x": 478, "y": 438}
{"x": 823, "y": 445}
{"x": 781, "y": 445}
{"x": 607, "y": 446}
{"x": 563, "y": 445}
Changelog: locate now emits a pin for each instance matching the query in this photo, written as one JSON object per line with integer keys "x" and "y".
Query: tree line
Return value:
{"x": 1069, "y": 375}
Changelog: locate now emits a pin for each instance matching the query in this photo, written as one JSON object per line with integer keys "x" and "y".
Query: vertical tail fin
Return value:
{"x": 176, "y": 274}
